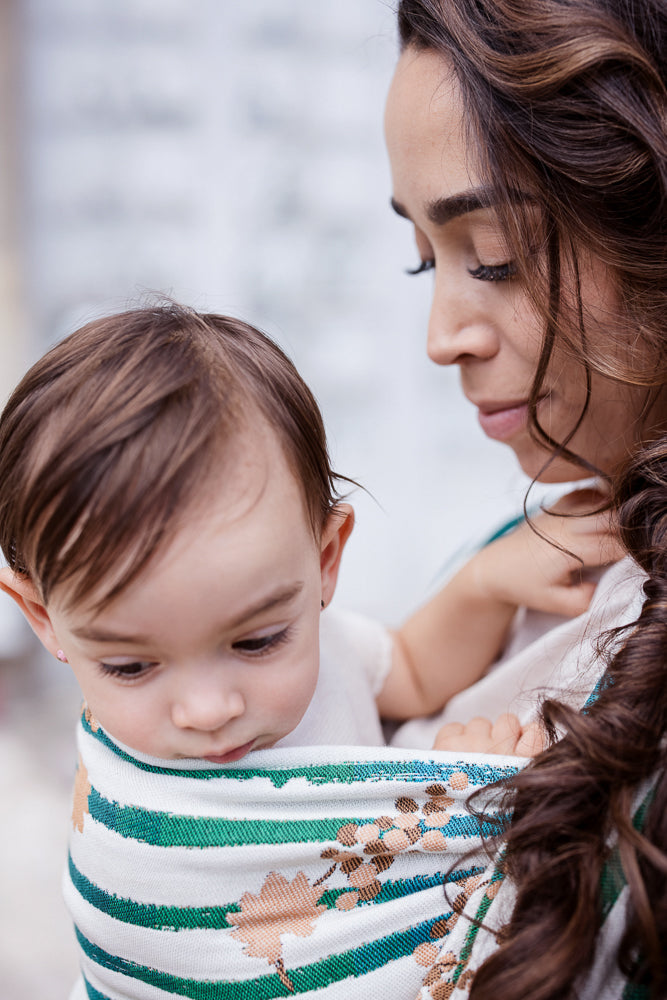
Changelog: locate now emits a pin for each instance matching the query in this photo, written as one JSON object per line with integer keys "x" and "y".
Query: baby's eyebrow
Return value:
{"x": 280, "y": 597}
{"x": 93, "y": 633}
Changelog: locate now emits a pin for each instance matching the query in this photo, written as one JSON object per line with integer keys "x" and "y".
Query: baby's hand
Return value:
{"x": 525, "y": 569}
{"x": 504, "y": 736}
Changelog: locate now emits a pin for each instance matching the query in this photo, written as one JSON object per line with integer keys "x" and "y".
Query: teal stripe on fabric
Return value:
{"x": 476, "y": 925}
{"x": 612, "y": 883}
{"x": 355, "y": 963}
{"x": 637, "y": 991}
{"x": 612, "y": 880}
{"x": 346, "y": 772}
{"x": 94, "y": 994}
{"x": 504, "y": 529}
{"x": 465, "y": 552}
{"x": 603, "y": 683}
{"x": 164, "y": 829}
{"x": 183, "y": 918}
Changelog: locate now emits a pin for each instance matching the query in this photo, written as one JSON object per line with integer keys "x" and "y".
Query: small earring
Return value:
{"x": 322, "y": 605}
{"x": 61, "y": 656}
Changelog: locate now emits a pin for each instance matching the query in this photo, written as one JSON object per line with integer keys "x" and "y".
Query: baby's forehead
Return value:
{"x": 249, "y": 485}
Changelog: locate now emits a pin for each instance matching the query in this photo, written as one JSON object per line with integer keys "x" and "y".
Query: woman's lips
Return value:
{"x": 503, "y": 422}
{"x": 231, "y": 755}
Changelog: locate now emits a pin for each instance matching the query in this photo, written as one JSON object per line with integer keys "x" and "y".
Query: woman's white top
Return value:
{"x": 547, "y": 656}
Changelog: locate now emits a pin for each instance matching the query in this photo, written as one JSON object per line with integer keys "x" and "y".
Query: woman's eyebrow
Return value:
{"x": 398, "y": 208}
{"x": 443, "y": 210}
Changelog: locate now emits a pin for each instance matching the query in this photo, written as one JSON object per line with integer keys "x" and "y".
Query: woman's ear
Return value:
{"x": 23, "y": 591}
{"x": 335, "y": 534}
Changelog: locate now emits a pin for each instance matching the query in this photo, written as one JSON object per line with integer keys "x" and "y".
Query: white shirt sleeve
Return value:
{"x": 355, "y": 658}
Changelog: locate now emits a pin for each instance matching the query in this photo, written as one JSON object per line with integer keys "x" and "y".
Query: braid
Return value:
{"x": 575, "y": 802}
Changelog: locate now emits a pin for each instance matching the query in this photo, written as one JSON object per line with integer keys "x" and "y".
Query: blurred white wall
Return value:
{"x": 229, "y": 154}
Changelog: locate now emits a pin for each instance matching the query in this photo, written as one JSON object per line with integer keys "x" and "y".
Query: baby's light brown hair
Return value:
{"x": 121, "y": 426}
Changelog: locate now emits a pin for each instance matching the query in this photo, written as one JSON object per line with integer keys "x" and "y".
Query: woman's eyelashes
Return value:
{"x": 493, "y": 272}
{"x": 424, "y": 265}
{"x": 483, "y": 272}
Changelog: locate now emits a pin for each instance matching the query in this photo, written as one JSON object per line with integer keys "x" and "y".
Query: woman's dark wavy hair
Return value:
{"x": 566, "y": 103}
{"x": 124, "y": 427}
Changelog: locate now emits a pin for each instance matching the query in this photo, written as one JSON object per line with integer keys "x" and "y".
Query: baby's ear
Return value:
{"x": 335, "y": 534}
{"x": 22, "y": 590}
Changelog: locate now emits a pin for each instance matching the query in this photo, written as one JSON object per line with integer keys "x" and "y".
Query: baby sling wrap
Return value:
{"x": 342, "y": 872}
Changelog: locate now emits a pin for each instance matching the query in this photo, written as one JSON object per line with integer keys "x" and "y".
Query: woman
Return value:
{"x": 529, "y": 150}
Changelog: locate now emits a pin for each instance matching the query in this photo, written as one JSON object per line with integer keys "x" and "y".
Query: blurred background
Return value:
{"x": 229, "y": 154}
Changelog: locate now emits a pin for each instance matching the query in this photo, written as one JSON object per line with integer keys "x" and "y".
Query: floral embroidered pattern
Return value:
{"x": 282, "y": 907}
{"x": 411, "y": 828}
{"x": 447, "y": 972}
{"x": 81, "y": 792}
{"x": 300, "y": 874}
{"x": 364, "y": 852}
{"x": 90, "y": 719}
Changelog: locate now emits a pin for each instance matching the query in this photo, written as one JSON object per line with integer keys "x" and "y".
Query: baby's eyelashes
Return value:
{"x": 127, "y": 671}
{"x": 262, "y": 644}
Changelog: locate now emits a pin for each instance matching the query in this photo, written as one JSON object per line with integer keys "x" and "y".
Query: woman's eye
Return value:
{"x": 493, "y": 272}
{"x": 127, "y": 671}
{"x": 257, "y": 645}
{"x": 424, "y": 265}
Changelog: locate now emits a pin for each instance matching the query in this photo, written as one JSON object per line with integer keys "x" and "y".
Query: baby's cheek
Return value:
{"x": 291, "y": 694}
{"x": 138, "y": 723}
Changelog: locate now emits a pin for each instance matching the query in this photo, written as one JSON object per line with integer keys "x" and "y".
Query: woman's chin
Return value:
{"x": 537, "y": 466}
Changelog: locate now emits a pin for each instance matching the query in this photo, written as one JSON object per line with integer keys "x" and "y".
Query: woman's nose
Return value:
{"x": 206, "y": 704}
{"x": 459, "y": 328}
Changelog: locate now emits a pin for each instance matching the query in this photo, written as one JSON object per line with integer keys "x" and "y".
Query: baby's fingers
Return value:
{"x": 531, "y": 742}
{"x": 480, "y": 735}
{"x": 504, "y": 734}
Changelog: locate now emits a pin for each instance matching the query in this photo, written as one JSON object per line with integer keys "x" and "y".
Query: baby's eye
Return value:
{"x": 424, "y": 265}
{"x": 258, "y": 645}
{"x": 493, "y": 272}
{"x": 127, "y": 671}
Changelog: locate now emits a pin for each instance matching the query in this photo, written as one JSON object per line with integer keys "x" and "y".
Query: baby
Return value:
{"x": 173, "y": 530}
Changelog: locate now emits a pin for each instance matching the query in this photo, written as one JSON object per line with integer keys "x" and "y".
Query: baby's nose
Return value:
{"x": 207, "y": 708}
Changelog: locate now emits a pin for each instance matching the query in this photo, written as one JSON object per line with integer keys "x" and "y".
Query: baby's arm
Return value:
{"x": 450, "y": 642}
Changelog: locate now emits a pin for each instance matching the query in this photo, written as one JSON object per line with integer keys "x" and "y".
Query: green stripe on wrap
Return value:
{"x": 345, "y": 772}
{"x": 179, "y": 918}
{"x": 163, "y": 829}
{"x": 354, "y": 963}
